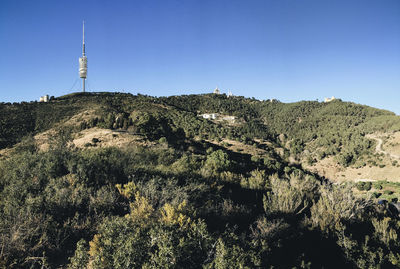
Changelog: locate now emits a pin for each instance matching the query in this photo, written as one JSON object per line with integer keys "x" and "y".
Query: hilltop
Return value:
{"x": 332, "y": 139}
{"x": 113, "y": 180}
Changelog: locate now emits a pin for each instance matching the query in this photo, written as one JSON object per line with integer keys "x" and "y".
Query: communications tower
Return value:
{"x": 83, "y": 61}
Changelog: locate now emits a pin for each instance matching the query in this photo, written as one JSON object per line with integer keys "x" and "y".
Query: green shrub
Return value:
{"x": 162, "y": 140}
{"x": 360, "y": 185}
{"x": 367, "y": 186}
{"x": 376, "y": 195}
{"x": 363, "y": 186}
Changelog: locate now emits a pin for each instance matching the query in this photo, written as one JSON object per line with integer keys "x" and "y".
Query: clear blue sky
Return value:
{"x": 286, "y": 49}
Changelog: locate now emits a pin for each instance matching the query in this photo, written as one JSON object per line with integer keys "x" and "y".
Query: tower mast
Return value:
{"x": 83, "y": 38}
{"x": 83, "y": 60}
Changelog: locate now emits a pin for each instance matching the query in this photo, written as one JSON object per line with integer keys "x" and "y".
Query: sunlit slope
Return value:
{"x": 308, "y": 130}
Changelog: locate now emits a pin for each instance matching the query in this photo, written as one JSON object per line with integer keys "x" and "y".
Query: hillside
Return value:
{"x": 327, "y": 138}
{"x": 111, "y": 180}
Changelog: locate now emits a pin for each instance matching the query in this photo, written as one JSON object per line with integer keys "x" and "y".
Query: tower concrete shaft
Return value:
{"x": 83, "y": 60}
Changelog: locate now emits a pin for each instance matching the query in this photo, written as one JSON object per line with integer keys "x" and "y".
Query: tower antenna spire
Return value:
{"x": 83, "y": 39}
{"x": 83, "y": 60}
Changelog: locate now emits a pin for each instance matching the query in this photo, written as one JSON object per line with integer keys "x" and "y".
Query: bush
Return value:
{"x": 291, "y": 196}
{"x": 216, "y": 162}
{"x": 363, "y": 186}
{"x": 336, "y": 206}
{"x": 367, "y": 186}
{"x": 162, "y": 140}
{"x": 360, "y": 185}
{"x": 376, "y": 195}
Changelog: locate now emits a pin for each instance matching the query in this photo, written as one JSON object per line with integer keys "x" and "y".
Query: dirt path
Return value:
{"x": 364, "y": 180}
{"x": 379, "y": 149}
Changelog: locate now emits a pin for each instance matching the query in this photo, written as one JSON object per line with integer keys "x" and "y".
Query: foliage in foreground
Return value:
{"x": 114, "y": 208}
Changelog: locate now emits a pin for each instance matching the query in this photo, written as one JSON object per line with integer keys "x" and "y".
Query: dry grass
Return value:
{"x": 237, "y": 146}
{"x": 329, "y": 169}
{"x": 43, "y": 139}
{"x": 96, "y": 137}
{"x": 83, "y": 116}
{"x": 392, "y": 144}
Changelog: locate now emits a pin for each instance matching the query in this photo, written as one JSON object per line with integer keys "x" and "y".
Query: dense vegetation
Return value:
{"x": 323, "y": 129}
{"x": 326, "y": 129}
{"x": 186, "y": 200}
{"x": 19, "y": 119}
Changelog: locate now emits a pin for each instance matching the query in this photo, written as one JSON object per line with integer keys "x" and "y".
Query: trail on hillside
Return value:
{"x": 379, "y": 149}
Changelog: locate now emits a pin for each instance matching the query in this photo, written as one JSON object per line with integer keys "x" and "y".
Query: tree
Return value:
{"x": 216, "y": 162}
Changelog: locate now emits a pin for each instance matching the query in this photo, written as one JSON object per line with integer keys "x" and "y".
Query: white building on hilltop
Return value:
{"x": 216, "y": 91}
{"x": 44, "y": 98}
{"x": 209, "y": 115}
{"x": 327, "y": 99}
